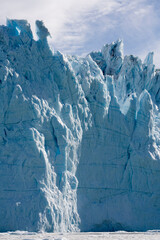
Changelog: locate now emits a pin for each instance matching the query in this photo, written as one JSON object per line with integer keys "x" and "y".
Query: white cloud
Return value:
{"x": 67, "y": 20}
{"x": 82, "y": 26}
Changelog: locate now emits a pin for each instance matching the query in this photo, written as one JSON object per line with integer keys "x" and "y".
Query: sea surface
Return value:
{"x": 19, "y": 235}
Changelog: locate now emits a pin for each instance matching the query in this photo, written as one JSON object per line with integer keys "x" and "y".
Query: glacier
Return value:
{"x": 79, "y": 137}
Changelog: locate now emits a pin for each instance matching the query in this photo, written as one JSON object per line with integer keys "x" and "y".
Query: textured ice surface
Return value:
{"x": 79, "y": 137}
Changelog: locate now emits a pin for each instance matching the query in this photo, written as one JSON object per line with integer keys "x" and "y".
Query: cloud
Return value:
{"x": 80, "y": 26}
{"x": 68, "y": 21}
{"x": 141, "y": 24}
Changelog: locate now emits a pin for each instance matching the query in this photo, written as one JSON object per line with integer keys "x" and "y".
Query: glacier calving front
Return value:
{"x": 79, "y": 137}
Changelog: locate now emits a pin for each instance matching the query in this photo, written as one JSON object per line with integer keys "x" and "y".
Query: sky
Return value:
{"x": 81, "y": 26}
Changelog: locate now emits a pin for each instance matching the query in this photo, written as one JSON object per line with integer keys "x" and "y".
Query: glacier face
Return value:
{"x": 79, "y": 137}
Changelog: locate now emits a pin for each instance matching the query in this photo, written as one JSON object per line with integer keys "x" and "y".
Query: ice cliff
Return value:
{"x": 79, "y": 137}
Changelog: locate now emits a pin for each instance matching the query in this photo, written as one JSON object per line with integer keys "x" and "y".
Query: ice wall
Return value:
{"x": 79, "y": 137}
